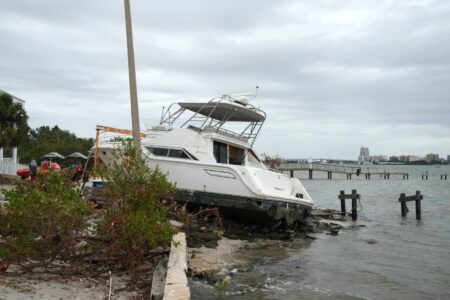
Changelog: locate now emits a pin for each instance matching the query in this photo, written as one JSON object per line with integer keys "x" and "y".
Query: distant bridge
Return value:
{"x": 330, "y": 169}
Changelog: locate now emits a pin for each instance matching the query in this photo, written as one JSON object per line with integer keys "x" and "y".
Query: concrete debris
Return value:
{"x": 159, "y": 280}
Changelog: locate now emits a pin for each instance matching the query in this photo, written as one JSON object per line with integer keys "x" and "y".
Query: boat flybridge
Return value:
{"x": 209, "y": 156}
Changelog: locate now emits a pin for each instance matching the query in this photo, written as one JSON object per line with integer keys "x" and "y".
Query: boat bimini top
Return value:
{"x": 212, "y": 116}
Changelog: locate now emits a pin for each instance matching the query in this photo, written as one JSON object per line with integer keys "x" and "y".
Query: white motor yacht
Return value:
{"x": 201, "y": 148}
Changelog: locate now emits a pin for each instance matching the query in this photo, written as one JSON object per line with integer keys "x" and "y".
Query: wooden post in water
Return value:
{"x": 330, "y": 175}
{"x": 403, "y": 204}
{"x": 354, "y": 196}
{"x": 354, "y": 203}
{"x": 292, "y": 173}
{"x": 417, "y": 198}
{"x": 418, "y": 208}
{"x": 342, "y": 197}
{"x": 310, "y": 174}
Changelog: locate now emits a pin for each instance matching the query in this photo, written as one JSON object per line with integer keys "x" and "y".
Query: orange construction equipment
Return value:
{"x": 100, "y": 128}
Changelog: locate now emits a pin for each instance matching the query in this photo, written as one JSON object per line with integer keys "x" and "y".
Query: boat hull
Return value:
{"x": 253, "y": 210}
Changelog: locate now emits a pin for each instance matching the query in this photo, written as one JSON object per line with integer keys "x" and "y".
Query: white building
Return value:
{"x": 364, "y": 154}
{"x": 8, "y": 157}
{"x": 379, "y": 158}
{"x": 431, "y": 157}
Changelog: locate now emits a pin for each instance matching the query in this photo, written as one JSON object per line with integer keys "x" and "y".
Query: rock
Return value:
{"x": 224, "y": 283}
{"x": 220, "y": 232}
{"x": 220, "y": 275}
{"x": 176, "y": 224}
{"x": 371, "y": 241}
{"x": 159, "y": 280}
{"x": 80, "y": 245}
{"x": 14, "y": 269}
{"x": 209, "y": 261}
{"x": 333, "y": 232}
{"x": 310, "y": 236}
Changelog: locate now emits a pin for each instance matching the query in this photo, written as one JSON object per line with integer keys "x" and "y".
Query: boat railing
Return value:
{"x": 207, "y": 122}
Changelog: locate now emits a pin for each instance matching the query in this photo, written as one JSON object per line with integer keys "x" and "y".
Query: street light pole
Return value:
{"x": 132, "y": 75}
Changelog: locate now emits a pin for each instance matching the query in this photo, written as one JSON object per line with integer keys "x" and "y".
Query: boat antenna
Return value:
{"x": 255, "y": 94}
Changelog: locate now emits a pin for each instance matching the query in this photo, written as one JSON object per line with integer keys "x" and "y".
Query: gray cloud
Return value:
{"x": 334, "y": 75}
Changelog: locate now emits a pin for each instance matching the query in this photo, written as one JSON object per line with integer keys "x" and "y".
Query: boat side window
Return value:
{"x": 178, "y": 153}
{"x": 253, "y": 159}
{"x": 221, "y": 152}
{"x": 159, "y": 151}
{"x": 236, "y": 155}
{"x": 175, "y": 153}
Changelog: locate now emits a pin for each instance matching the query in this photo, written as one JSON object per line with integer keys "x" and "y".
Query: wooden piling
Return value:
{"x": 354, "y": 196}
{"x": 342, "y": 197}
{"x": 417, "y": 198}
{"x": 330, "y": 175}
{"x": 403, "y": 204}
{"x": 354, "y": 204}
{"x": 310, "y": 174}
{"x": 418, "y": 208}
{"x": 292, "y": 173}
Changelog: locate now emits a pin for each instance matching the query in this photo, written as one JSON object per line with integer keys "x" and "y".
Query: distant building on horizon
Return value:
{"x": 431, "y": 157}
{"x": 379, "y": 158}
{"x": 364, "y": 154}
{"x": 410, "y": 158}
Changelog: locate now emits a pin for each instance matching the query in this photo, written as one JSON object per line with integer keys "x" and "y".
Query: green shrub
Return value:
{"x": 42, "y": 220}
{"x": 137, "y": 219}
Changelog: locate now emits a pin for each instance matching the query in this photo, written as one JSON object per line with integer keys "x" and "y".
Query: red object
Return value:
{"x": 23, "y": 173}
{"x": 55, "y": 166}
{"x": 47, "y": 165}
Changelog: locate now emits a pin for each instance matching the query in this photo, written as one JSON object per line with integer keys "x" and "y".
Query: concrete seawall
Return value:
{"x": 176, "y": 286}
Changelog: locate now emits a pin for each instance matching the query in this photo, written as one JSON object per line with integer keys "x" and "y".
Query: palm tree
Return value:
{"x": 13, "y": 122}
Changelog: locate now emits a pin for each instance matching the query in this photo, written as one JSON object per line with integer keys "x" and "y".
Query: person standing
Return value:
{"x": 33, "y": 169}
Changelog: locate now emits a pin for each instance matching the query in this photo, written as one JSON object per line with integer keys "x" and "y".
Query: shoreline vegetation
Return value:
{"x": 55, "y": 244}
{"x": 47, "y": 230}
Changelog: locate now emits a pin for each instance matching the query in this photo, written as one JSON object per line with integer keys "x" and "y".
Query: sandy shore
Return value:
{"x": 55, "y": 287}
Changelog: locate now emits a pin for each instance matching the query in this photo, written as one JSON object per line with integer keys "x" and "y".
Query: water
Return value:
{"x": 391, "y": 258}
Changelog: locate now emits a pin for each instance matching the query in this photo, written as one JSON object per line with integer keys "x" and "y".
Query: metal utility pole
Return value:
{"x": 132, "y": 74}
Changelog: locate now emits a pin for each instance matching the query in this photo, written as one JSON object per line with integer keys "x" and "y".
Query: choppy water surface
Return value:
{"x": 405, "y": 259}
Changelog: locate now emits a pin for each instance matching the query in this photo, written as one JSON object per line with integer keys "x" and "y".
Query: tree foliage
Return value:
{"x": 45, "y": 219}
{"x": 44, "y": 139}
{"x": 13, "y": 122}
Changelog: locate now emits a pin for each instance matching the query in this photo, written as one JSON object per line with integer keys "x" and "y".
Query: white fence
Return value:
{"x": 9, "y": 167}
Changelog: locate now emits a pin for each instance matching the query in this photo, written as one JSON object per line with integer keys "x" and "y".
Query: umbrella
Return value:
{"x": 77, "y": 155}
{"x": 53, "y": 155}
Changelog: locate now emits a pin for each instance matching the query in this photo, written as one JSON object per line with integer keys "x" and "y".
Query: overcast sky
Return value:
{"x": 333, "y": 75}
